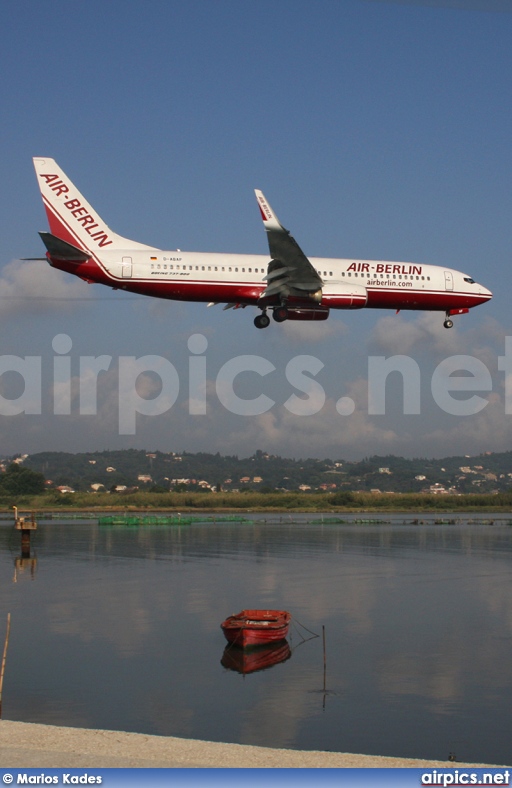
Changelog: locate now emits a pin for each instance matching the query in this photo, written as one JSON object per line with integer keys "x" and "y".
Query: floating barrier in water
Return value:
{"x": 87, "y": 515}
{"x": 175, "y": 519}
{"x": 356, "y": 521}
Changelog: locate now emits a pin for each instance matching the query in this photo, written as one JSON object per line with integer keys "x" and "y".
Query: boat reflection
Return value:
{"x": 244, "y": 660}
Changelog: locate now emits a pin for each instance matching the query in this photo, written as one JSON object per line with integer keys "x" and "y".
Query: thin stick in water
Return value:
{"x": 4, "y": 657}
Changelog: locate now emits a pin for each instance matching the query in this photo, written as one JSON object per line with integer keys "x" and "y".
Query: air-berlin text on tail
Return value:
{"x": 77, "y": 210}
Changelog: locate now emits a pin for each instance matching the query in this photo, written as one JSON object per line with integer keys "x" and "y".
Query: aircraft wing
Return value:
{"x": 289, "y": 268}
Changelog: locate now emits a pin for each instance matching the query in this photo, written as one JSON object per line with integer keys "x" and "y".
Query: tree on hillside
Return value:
{"x": 21, "y": 481}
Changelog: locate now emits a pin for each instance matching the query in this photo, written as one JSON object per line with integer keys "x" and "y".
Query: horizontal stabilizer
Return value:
{"x": 62, "y": 250}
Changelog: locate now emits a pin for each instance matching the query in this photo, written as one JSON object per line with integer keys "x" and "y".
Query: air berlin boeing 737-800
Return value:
{"x": 286, "y": 282}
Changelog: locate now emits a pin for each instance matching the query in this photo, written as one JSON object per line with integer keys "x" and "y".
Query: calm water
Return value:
{"x": 118, "y": 628}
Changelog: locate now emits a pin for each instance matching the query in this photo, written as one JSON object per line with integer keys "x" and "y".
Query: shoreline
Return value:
{"x": 33, "y": 745}
{"x": 282, "y": 511}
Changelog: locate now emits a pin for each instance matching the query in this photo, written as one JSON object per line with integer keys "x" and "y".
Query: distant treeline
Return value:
{"x": 263, "y": 472}
{"x": 288, "y": 501}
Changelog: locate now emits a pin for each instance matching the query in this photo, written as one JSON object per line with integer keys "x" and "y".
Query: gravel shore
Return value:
{"x": 26, "y": 745}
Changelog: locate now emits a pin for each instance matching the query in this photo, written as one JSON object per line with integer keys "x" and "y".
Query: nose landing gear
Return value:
{"x": 448, "y": 322}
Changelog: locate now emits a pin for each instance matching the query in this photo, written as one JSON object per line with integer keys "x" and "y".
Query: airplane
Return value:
{"x": 285, "y": 283}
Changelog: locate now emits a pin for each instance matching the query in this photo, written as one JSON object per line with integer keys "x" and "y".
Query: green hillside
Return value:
{"x": 159, "y": 471}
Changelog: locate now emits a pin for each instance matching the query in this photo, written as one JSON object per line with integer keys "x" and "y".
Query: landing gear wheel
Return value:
{"x": 448, "y": 323}
{"x": 280, "y": 314}
{"x": 262, "y": 321}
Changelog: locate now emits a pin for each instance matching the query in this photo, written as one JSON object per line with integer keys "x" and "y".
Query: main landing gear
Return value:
{"x": 262, "y": 321}
{"x": 279, "y": 313}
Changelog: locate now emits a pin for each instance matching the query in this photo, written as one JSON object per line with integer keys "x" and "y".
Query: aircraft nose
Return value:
{"x": 485, "y": 292}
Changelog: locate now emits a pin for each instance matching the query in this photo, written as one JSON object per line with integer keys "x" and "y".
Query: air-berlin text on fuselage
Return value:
{"x": 80, "y": 213}
{"x": 386, "y": 268}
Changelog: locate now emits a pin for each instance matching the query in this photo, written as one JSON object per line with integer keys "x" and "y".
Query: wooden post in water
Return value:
{"x": 325, "y": 666}
{"x": 25, "y": 527}
{"x": 4, "y": 657}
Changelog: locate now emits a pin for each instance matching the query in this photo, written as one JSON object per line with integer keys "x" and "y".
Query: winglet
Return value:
{"x": 270, "y": 220}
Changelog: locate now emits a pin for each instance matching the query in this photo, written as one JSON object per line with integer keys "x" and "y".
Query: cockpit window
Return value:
{"x": 468, "y": 279}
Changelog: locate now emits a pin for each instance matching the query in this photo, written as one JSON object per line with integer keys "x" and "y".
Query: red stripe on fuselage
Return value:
{"x": 423, "y": 299}
{"x": 89, "y": 270}
{"x": 243, "y": 292}
{"x": 247, "y": 293}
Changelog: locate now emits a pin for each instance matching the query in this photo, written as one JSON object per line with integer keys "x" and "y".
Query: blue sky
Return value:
{"x": 376, "y": 129}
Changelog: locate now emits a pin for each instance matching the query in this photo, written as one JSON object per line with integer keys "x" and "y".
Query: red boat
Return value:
{"x": 256, "y": 627}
